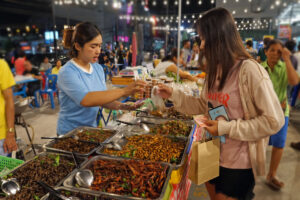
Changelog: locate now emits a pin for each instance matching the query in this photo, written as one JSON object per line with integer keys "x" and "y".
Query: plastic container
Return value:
{"x": 10, "y": 163}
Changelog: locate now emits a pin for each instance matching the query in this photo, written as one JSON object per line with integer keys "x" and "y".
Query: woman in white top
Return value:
{"x": 168, "y": 64}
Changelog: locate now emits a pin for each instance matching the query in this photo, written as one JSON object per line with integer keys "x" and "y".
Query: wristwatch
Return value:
{"x": 11, "y": 130}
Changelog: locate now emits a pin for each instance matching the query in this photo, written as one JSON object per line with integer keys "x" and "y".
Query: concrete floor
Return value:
{"x": 44, "y": 121}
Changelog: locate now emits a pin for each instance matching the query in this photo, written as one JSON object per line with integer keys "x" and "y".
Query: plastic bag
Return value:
{"x": 157, "y": 100}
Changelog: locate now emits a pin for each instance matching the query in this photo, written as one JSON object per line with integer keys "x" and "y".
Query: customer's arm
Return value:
{"x": 291, "y": 72}
{"x": 10, "y": 142}
{"x": 183, "y": 103}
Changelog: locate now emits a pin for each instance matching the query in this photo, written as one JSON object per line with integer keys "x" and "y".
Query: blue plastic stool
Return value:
{"x": 295, "y": 95}
{"x": 50, "y": 89}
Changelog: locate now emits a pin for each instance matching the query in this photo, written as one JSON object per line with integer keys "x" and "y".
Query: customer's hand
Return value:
{"x": 286, "y": 54}
{"x": 10, "y": 144}
{"x": 212, "y": 127}
{"x": 137, "y": 86}
{"x": 164, "y": 91}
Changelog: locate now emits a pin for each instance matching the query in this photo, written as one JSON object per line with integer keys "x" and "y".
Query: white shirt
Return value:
{"x": 160, "y": 69}
{"x": 83, "y": 69}
{"x": 297, "y": 56}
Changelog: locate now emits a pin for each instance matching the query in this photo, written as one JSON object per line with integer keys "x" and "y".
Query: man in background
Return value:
{"x": 7, "y": 110}
{"x": 186, "y": 52}
{"x": 249, "y": 48}
{"x": 261, "y": 56}
{"x": 34, "y": 72}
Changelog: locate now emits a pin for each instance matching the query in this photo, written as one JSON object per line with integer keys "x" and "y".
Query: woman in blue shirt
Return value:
{"x": 81, "y": 81}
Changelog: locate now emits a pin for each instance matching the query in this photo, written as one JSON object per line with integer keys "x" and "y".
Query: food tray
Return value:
{"x": 157, "y": 119}
{"x": 192, "y": 128}
{"x": 49, "y": 148}
{"x": 83, "y": 192}
{"x": 174, "y": 166}
{"x": 70, "y": 182}
{"x": 84, "y": 160}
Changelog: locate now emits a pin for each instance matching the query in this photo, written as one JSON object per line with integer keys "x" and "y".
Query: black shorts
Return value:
{"x": 235, "y": 183}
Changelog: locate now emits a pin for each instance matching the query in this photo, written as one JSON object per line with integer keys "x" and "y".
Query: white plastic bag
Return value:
{"x": 157, "y": 100}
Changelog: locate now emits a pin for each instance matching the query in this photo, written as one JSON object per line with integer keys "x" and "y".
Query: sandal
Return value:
{"x": 274, "y": 183}
{"x": 296, "y": 145}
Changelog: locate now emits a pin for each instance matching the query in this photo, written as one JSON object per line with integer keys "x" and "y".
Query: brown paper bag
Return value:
{"x": 205, "y": 161}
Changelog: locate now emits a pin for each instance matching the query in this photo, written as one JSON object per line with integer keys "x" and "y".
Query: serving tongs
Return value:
{"x": 54, "y": 192}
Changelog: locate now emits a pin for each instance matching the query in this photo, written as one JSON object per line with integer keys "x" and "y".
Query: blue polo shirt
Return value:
{"x": 74, "y": 83}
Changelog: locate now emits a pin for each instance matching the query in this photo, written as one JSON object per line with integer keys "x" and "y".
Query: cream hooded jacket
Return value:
{"x": 263, "y": 115}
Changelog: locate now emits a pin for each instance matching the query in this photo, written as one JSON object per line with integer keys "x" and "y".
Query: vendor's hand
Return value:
{"x": 137, "y": 86}
{"x": 212, "y": 127}
{"x": 164, "y": 91}
{"x": 125, "y": 106}
{"x": 10, "y": 144}
{"x": 286, "y": 54}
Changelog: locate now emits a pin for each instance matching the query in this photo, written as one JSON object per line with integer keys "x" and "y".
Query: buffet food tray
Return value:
{"x": 70, "y": 180}
{"x": 48, "y": 146}
{"x": 123, "y": 142}
{"x": 83, "y": 161}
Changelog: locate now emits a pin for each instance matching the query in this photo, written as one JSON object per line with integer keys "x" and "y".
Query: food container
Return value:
{"x": 123, "y": 142}
{"x": 49, "y": 146}
{"x": 56, "y": 160}
{"x": 70, "y": 181}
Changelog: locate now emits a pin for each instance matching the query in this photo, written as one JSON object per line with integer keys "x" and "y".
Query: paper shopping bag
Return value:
{"x": 205, "y": 162}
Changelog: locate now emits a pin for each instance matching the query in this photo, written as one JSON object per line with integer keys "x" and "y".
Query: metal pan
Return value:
{"x": 48, "y": 146}
{"x": 61, "y": 188}
{"x": 83, "y": 161}
{"x": 123, "y": 142}
{"x": 70, "y": 182}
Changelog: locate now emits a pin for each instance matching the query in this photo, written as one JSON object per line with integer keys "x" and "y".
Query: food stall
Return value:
{"x": 127, "y": 162}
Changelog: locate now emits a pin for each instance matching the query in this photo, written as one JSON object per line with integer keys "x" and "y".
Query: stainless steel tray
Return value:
{"x": 84, "y": 160}
{"x": 123, "y": 142}
{"x": 143, "y": 115}
{"x": 48, "y": 146}
{"x": 70, "y": 182}
{"x": 83, "y": 192}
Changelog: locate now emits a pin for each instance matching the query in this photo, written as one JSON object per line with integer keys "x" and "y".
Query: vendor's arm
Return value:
{"x": 184, "y": 103}
{"x": 291, "y": 72}
{"x": 270, "y": 119}
{"x": 182, "y": 74}
{"x": 75, "y": 88}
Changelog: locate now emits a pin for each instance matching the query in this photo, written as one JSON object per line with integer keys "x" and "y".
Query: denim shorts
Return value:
{"x": 2, "y": 153}
{"x": 278, "y": 140}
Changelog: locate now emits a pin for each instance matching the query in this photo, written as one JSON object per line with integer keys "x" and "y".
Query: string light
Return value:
{"x": 176, "y": 3}
{"x": 277, "y": 2}
{"x": 246, "y": 10}
{"x": 165, "y": 2}
{"x": 224, "y": 1}
{"x": 187, "y": 2}
{"x": 199, "y": 2}
{"x": 233, "y": 12}
{"x": 154, "y": 3}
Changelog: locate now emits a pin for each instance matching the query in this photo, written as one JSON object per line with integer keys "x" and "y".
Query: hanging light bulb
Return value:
{"x": 193, "y": 16}
{"x": 200, "y": 2}
{"x": 277, "y": 2}
{"x": 284, "y": 4}
{"x": 143, "y": 3}
{"x": 237, "y": 1}
{"x": 224, "y": 1}
{"x": 176, "y": 3}
{"x": 212, "y": 1}
{"x": 165, "y": 2}
{"x": 246, "y": 10}
{"x": 105, "y": 3}
{"x": 154, "y": 3}
{"x": 233, "y": 12}
{"x": 187, "y": 2}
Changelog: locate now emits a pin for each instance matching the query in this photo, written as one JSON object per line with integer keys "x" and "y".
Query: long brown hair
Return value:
{"x": 82, "y": 33}
{"x": 223, "y": 44}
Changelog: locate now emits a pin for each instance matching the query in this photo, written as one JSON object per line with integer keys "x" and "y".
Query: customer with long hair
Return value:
{"x": 244, "y": 88}
{"x": 81, "y": 81}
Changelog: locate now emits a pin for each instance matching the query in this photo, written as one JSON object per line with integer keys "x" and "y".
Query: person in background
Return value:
{"x": 81, "y": 81}
{"x": 281, "y": 74}
{"x": 261, "y": 56}
{"x": 121, "y": 56}
{"x": 290, "y": 45}
{"x": 19, "y": 63}
{"x": 45, "y": 65}
{"x": 56, "y": 69}
{"x": 297, "y": 56}
{"x": 251, "y": 119}
{"x": 129, "y": 55}
{"x": 34, "y": 72}
{"x": 195, "y": 52}
{"x": 249, "y": 48}
{"x": 7, "y": 111}
{"x": 168, "y": 64}
{"x": 186, "y": 51}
